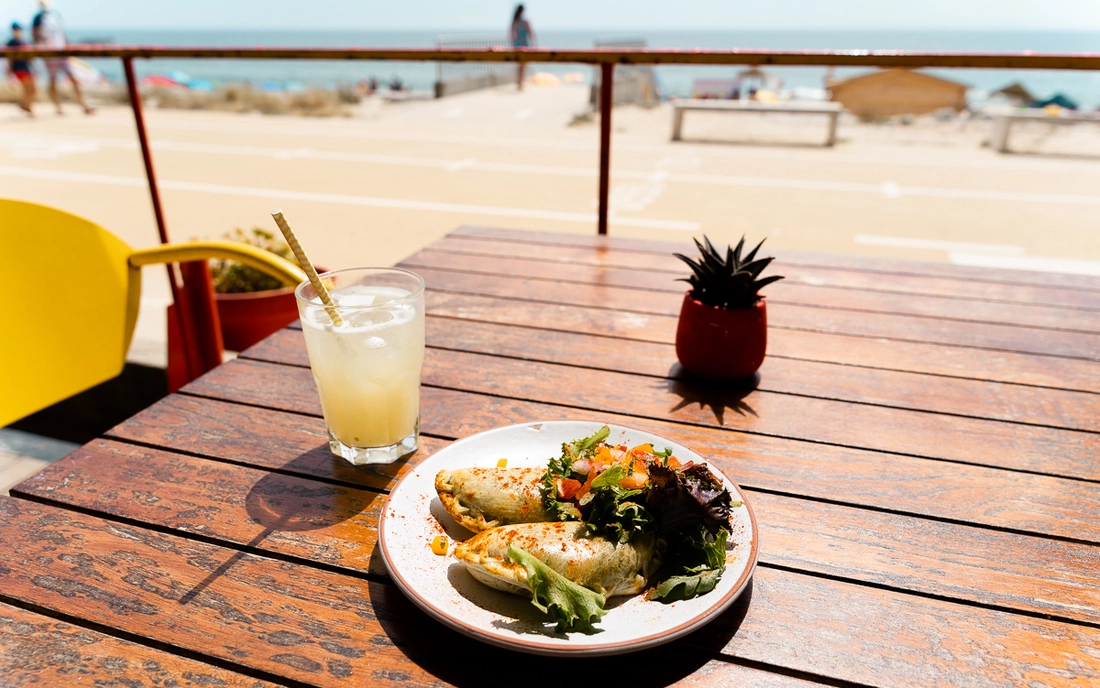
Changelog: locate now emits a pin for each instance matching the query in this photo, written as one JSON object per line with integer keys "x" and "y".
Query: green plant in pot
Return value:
{"x": 252, "y": 305}
{"x": 723, "y": 329}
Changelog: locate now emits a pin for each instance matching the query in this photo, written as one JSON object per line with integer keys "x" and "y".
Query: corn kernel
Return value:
{"x": 502, "y": 463}
{"x": 440, "y": 544}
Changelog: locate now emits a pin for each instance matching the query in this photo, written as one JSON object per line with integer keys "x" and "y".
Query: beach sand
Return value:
{"x": 391, "y": 178}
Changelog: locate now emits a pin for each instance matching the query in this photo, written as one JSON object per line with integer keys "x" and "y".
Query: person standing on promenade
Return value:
{"x": 521, "y": 35}
{"x": 21, "y": 70}
{"x": 49, "y": 33}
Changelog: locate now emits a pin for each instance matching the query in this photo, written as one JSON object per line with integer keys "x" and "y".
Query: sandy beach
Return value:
{"x": 390, "y": 178}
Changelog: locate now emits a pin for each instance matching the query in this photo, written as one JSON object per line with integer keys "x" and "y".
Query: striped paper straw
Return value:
{"x": 307, "y": 266}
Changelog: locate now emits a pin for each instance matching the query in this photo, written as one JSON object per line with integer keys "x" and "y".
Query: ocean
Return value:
{"x": 1084, "y": 87}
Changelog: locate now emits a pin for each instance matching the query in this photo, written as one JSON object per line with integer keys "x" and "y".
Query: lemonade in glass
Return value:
{"x": 367, "y": 368}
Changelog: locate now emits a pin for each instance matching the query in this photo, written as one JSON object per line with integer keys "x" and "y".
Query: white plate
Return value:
{"x": 441, "y": 586}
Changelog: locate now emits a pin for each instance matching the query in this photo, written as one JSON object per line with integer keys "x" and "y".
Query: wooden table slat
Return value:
{"x": 783, "y": 292}
{"x": 1058, "y": 408}
{"x": 615, "y": 244}
{"x": 974, "y": 441}
{"x": 313, "y": 625}
{"x": 36, "y": 650}
{"x": 1011, "y": 500}
{"x": 336, "y": 526}
{"x": 652, "y": 316}
{"x": 825, "y": 278}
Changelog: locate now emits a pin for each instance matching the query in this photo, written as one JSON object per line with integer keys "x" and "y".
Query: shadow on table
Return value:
{"x": 290, "y": 504}
{"x": 716, "y": 395}
{"x": 321, "y": 462}
{"x": 454, "y": 658}
{"x": 286, "y": 503}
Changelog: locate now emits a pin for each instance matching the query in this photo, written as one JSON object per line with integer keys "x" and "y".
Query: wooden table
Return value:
{"x": 921, "y": 452}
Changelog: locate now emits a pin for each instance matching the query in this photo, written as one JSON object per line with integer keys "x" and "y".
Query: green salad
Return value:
{"x": 624, "y": 493}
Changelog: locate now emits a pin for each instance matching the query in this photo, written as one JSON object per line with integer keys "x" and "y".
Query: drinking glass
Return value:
{"x": 367, "y": 369}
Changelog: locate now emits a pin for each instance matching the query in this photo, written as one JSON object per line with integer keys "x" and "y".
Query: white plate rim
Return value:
{"x": 534, "y": 646}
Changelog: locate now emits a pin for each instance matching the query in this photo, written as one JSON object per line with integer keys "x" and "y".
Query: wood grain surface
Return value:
{"x": 919, "y": 448}
{"x": 629, "y": 314}
{"x": 805, "y": 274}
{"x": 974, "y": 441}
{"x": 1009, "y": 500}
{"x": 312, "y": 625}
{"x": 963, "y": 397}
{"x": 336, "y": 526}
{"x": 36, "y": 650}
{"x": 783, "y": 292}
{"x": 615, "y": 245}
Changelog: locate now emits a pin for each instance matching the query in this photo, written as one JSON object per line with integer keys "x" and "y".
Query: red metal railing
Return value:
{"x": 606, "y": 58}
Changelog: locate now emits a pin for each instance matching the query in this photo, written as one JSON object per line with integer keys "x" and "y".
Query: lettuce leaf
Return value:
{"x": 579, "y": 449}
{"x": 675, "y": 588}
{"x": 573, "y": 607}
{"x": 696, "y": 562}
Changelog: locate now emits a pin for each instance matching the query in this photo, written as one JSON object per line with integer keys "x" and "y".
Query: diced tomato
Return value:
{"x": 587, "y": 484}
{"x": 634, "y": 481}
{"x": 567, "y": 487}
{"x": 603, "y": 455}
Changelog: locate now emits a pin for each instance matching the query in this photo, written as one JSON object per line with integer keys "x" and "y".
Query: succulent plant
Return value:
{"x": 729, "y": 280}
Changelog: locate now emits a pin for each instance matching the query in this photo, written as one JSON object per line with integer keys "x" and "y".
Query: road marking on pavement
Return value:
{"x": 43, "y": 147}
{"x": 294, "y": 153}
{"x": 683, "y": 177}
{"x": 825, "y": 155}
{"x": 460, "y": 165}
{"x": 1034, "y": 263}
{"x": 345, "y": 199}
{"x": 940, "y": 245}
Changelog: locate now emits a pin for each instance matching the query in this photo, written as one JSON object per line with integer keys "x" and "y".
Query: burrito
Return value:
{"x": 483, "y": 498}
{"x": 591, "y": 561}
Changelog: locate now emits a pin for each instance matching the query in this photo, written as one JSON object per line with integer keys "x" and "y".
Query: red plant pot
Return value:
{"x": 721, "y": 343}
{"x": 248, "y": 317}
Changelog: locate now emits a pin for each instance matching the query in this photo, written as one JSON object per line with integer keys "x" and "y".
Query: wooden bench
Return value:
{"x": 1003, "y": 124}
{"x": 679, "y": 107}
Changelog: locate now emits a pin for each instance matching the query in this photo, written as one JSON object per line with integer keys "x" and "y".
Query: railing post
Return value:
{"x": 143, "y": 139}
{"x": 607, "y": 77}
{"x": 197, "y": 355}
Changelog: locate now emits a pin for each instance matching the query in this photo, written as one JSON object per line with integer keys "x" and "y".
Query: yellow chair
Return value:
{"x": 70, "y": 300}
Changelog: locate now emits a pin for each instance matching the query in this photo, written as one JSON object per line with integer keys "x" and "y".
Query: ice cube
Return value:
{"x": 374, "y": 342}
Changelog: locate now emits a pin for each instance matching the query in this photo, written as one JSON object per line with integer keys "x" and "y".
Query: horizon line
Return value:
{"x": 984, "y": 29}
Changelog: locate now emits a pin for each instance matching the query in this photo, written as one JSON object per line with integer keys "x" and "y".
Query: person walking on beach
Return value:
{"x": 521, "y": 36}
{"x": 21, "y": 70}
{"x": 49, "y": 33}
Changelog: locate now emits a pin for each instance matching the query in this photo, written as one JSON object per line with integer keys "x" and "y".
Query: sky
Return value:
{"x": 1072, "y": 15}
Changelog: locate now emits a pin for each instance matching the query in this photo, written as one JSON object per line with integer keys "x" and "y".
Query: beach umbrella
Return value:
{"x": 159, "y": 80}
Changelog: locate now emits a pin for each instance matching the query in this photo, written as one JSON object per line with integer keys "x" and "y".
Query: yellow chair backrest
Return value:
{"x": 70, "y": 297}
{"x": 68, "y": 306}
